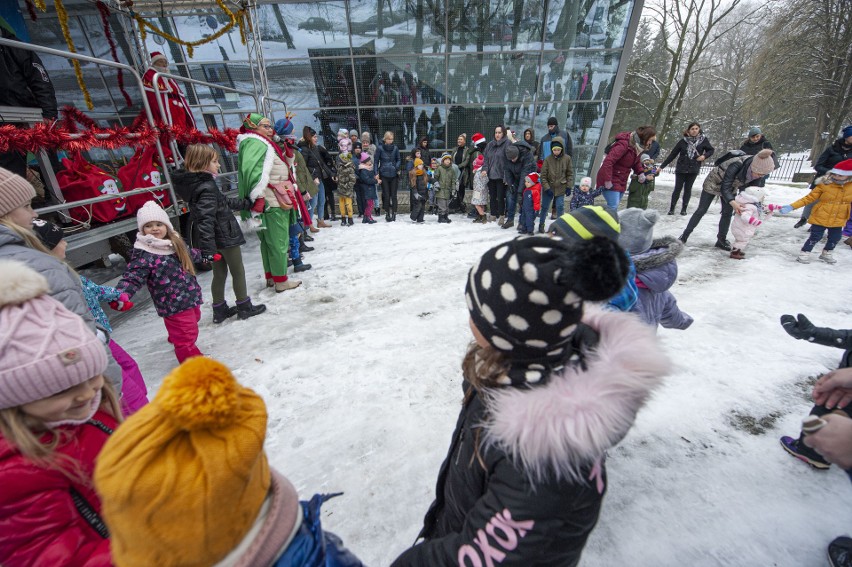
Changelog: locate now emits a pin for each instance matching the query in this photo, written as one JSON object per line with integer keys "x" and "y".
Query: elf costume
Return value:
{"x": 264, "y": 173}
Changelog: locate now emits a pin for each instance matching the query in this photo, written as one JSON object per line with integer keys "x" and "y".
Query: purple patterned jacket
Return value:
{"x": 172, "y": 288}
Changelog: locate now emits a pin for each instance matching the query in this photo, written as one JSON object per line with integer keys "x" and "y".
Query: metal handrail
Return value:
{"x": 268, "y": 107}
{"x": 102, "y": 198}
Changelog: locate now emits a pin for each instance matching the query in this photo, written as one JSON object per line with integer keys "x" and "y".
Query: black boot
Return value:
{"x": 350, "y": 221}
{"x": 509, "y": 223}
{"x": 387, "y": 216}
{"x": 223, "y": 311}
{"x": 723, "y": 244}
{"x": 800, "y": 223}
{"x": 308, "y": 238}
{"x": 299, "y": 266}
{"x": 671, "y": 211}
{"x": 245, "y": 309}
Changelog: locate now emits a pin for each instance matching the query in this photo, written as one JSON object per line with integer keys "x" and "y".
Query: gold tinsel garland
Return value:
{"x": 237, "y": 19}
{"x": 78, "y": 71}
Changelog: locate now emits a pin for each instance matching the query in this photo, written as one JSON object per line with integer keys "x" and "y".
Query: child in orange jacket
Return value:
{"x": 531, "y": 204}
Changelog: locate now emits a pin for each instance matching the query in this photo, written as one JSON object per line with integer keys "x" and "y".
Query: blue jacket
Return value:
{"x": 387, "y": 160}
{"x": 580, "y": 199}
{"x": 314, "y": 547}
{"x": 367, "y": 183}
{"x": 656, "y": 272}
{"x": 95, "y": 295}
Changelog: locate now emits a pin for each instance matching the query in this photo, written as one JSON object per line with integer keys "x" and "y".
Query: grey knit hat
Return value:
{"x": 637, "y": 229}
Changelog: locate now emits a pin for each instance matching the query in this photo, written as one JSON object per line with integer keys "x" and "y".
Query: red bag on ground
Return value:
{"x": 143, "y": 170}
{"x": 82, "y": 180}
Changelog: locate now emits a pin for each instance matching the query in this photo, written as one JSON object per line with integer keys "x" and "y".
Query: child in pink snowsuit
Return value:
{"x": 744, "y": 224}
{"x": 134, "y": 393}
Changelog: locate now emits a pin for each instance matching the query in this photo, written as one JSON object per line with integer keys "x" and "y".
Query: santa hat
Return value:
{"x": 156, "y": 56}
{"x": 477, "y": 139}
{"x": 843, "y": 168}
{"x": 533, "y": 177}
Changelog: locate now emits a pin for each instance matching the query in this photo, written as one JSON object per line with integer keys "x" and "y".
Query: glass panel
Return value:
{"x": 600, "y": 24}
{"x": 308, "y": 25}
{"x": 415, "y": 26}
{"x": 496, "y": 25}
{"x": 504, "y": 77}
{"x": 400, "y": 80}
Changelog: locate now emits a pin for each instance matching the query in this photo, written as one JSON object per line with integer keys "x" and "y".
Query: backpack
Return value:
{"x": 713, "y": 181}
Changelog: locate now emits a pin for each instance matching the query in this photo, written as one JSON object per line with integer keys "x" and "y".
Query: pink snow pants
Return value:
{"x": 183, "y": 332}
{"x": 134, "y": 393}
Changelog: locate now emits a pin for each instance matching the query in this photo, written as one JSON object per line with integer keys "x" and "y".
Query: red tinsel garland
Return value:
{"x": 104, "y": 10}
{"x": 66, "y": 135}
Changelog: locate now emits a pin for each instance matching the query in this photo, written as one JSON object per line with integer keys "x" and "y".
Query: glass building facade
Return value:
{"x": 435, "y": 68}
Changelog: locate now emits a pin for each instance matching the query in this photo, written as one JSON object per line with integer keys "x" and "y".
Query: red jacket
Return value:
{"x": 536, "y": 195}
{"x": 616, "y": 166}
{"x": 39, "y": 522}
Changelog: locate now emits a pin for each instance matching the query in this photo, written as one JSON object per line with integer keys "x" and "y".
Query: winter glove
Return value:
{"x": 754, "y": 221}
{"x": 773, "y": 208}
{"x": 802, "y": 328}
{"x": 786, "y": 209}
{"x": 608, "y": 185}
{"x": 210, "y": 258}
{"x": 258, "y": 206}
{"x": 123, "y": 303}
{"x": 798, "y": 329}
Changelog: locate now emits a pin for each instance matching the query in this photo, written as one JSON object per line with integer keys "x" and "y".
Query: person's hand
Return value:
{"x": 701, "y": 158}
{"x": 834, "y": 390}
{"x": 316, "y": 180}
{"x": 786, "y": 209}
{"x": 755, "y": 221}
{"x": 736, "y": 206}
{"x": 608, "y": 185}
{"x": 258, "y": 205}
{"x": 834, "y": 440}
{"x": 210, "y": 258}
{"x": 799, "y": 327}
{"x": 772, "y": 208}
{"x": 379, "y": 181}
{"x": 123, "y": 303}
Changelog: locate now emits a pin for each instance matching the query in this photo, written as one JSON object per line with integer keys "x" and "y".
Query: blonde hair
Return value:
{"x": 19, "y": 429}
{"x": 198, "y": 157}
{"x": 181, "y": 251}
{"x": 31, "y": 240}
{"x": 388, "y": 135}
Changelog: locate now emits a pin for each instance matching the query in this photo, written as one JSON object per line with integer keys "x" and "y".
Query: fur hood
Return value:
{"x": 662, "y": 251}
{"x": 570, "y": 422}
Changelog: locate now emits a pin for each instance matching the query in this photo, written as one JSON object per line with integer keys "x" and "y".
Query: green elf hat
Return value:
{"x": 252, "y": 120}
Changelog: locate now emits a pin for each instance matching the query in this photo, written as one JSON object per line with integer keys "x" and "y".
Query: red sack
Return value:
{"x": 143, "y": 171}
{"x": 82, "y": 180}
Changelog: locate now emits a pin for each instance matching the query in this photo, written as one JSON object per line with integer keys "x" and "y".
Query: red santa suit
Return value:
{"x": 176, "y": 110}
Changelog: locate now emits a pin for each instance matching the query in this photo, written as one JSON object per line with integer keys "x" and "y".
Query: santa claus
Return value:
{"x": 175, "y": 108}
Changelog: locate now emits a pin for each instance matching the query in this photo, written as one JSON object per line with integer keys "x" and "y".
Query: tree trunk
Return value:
{"x": 284, "y": 31}
{"x": 516, "y": 21}
{"x": 418, "y": 30}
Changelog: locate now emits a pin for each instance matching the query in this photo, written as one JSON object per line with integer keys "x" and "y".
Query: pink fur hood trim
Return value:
{"x": 570, "y": 422}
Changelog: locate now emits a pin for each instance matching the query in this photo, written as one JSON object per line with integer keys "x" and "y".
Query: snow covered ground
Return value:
{"x": 360, "y": 370}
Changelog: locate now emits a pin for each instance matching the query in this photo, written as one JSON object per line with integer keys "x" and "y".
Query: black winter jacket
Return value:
{"x": 751, "y": 148}
{"x": 318, "y": 160}
{"x": 211, "y": 213}
{"x": 25, "y": 80}
{"x": 387, "y": 160}
{"x": 686, "y": 164}
{"x": 734, "y": 180}
{"x": 515, "y": 171}
{"x": 833, "y": 154}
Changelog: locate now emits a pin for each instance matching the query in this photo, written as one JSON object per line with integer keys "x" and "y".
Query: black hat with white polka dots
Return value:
{"x": 526, "y": 298}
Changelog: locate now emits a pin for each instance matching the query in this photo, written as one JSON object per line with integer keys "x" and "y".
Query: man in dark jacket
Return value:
{"x": 756, "y": 142}
{"x": 552, "y": 132}
{"x": 513, "y": 175}
{"x": 25, "y": 83}
{"x": 840, "y": 150}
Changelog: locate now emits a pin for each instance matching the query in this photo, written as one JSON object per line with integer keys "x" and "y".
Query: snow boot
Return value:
{"x": 223, "y": 311}
{"x": 671, "y": 212}
{"x": 393, "y": 216}
{"x": 800, "y": 223}
{"x": 827, "y": 257}
{"x": 245, "y": 309}
{"x": 350, "y": 222}
{"x": 683, "y": 212}
{"x": 509, "y": 223}
{"x": 804, "y": 258}
{"x": 287, "y": 285}
{"x": 804, "y": 453}
{"x": 387, "y": 216}
{"x": 541, "y": 228}
{"x": 723, "y": 244}
{"x": 342, "y": 221}
{"x": 840, "y": 552}
{"x": 305, "y": 248}
{"x": 737, "y": 254}
{"x": 442, "y": 219}
{"x": 270, "y": 282}
{"x": 300, "y": 266}
{"x": 307, "y": 237}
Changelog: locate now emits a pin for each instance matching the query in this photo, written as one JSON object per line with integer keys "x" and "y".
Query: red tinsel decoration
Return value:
{"x": 104, "y": 10}
{"x": 32, "y": 11}
{"x": 66, "y": 135}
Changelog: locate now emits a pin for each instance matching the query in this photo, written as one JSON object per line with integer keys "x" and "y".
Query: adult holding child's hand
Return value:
{"x": 834, "y": 390}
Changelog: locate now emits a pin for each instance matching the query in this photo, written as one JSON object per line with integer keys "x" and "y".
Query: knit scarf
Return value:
{"x": 154, "y": 245}
{"x": 692, "y": 143}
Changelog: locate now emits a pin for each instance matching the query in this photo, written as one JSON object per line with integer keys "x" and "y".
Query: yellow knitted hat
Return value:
{"x": 183, "y": 479}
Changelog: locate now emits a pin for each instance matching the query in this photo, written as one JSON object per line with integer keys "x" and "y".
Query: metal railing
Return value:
{"x": 787, "y": 168}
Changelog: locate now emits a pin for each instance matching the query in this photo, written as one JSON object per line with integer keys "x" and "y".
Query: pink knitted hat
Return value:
{"x": 15, "y": 191}
{"x": 44, "y": 348}
{"x": 151, "y": 211}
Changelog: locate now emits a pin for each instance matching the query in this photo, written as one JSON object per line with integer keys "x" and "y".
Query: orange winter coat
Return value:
{"x": 834, "y": 203}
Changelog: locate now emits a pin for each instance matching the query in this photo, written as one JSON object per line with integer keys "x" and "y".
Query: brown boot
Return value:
{"x": 323, "y": 224}
{"x": 314, "y": 229}
{"x": 270, "y": 282}
{"x": 737, "y": 254}
{"x": 289, "y": 284}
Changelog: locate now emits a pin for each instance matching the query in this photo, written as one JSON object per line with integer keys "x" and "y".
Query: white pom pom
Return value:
{"x": 20, "y": 283}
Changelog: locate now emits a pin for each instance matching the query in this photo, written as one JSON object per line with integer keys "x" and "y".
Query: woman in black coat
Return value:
{"x": 691, "y": 151}
{"x": 215, "y": 230}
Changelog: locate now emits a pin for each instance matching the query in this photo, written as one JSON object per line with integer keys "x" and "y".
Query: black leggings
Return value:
{"x": 683, "y": 181}
{"x": 704, "y": 204}
{"x": 497, "y": 197}
{"x": 390, "y": 186}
